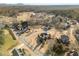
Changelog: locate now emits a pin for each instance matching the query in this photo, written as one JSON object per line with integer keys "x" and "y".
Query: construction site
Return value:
{"x": 42, "y": 34}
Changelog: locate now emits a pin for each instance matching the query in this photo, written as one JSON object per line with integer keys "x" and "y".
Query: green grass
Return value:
{"x": 9, "y": 43}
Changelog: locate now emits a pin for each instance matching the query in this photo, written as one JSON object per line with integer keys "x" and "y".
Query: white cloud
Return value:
{"x": 41, "y": 1}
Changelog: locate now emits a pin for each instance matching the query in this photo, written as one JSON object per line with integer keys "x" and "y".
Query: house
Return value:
{"x": 72, "y": 53}
{"x": 2, "y": 25}
{"x": 41, "y": 39}
{"x": 64, "y": 39}
{"x": 20, "y": 27}
{"x": 17, "y": 52}
{"x": 24, "y": 24}
{"x": 65, "y": 26}
{"x": 77, "y": 34}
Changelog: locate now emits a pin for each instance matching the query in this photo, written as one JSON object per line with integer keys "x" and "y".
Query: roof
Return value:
{"x": 77, "y": 34}
{"x": 64, "y": 39}
{"x": 72, "y": 53}
{"x": 1, "y": 25}
{"x": 17, "y": 52}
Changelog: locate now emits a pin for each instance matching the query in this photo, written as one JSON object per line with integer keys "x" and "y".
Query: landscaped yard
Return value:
{"x": 9, "y": 43}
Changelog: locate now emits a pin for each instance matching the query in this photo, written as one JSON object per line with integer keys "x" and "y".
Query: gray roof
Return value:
{"x": 1, "y": 25}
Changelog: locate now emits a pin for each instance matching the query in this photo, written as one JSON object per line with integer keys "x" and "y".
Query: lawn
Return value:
{"x": 9, "y": 43}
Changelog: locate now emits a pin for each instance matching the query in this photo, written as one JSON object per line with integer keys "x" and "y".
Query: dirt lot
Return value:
{"x": 31, "y": 38}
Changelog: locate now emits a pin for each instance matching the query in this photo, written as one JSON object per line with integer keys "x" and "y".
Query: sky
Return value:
{"x": 42, "y": 2}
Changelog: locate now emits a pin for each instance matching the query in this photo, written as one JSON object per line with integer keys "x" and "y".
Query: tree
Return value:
{"x": 56, "y": 49}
